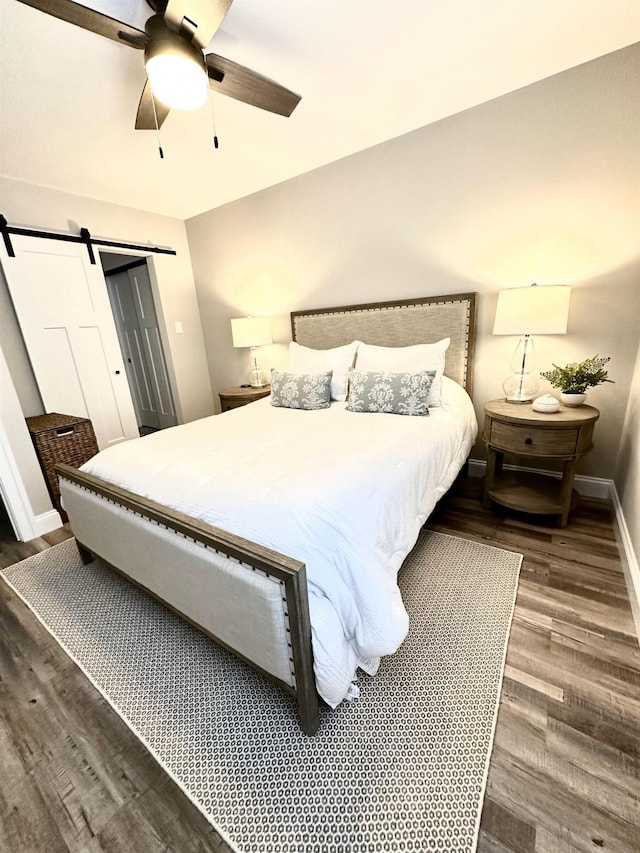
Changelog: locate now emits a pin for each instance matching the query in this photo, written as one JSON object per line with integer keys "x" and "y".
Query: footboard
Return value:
{"x": 249, "y": 599}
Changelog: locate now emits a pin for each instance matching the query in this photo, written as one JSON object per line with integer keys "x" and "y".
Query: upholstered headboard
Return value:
{"x": 398, "y": 324}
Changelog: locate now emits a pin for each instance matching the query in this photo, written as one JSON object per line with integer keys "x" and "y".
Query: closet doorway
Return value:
{"x": 131, "y": 297}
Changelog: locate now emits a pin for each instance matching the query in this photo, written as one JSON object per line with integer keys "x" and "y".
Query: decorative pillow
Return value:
{"x": 339, "y": 360}
{"x": 303, "y": 391}
{"x": 411, "y": 359}
{"x": 395, "y": 393}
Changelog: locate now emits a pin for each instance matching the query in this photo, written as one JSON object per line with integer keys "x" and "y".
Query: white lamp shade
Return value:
{"x": 251, "y": 332}
{"x": 534, "y": 310}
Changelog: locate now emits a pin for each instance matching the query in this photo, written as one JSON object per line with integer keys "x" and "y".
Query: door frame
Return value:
{"x": 162, "y": 323}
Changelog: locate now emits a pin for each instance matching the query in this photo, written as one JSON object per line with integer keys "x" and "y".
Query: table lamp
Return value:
{"x": 528, "y": 311}
{"x": 252, "y": 332}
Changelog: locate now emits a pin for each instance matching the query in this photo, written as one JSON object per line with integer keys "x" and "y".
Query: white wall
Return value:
{"x": 539, "y": 185}
{"x": 22, "y": 486}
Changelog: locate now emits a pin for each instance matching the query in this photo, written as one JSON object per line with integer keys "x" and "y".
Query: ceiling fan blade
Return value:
{"x": 243, "y": 84}
{"x": 197, "y": 19}
{"x": 145, "y": 118}
{"x": 90, "y": 20}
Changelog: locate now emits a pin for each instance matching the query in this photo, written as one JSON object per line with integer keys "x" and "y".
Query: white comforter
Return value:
{"x": 346, "y": 493}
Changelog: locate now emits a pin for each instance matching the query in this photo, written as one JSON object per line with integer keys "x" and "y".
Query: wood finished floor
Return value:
{"x": 565, "y": 768}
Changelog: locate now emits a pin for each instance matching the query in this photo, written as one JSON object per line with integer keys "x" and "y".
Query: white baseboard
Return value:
{"x": 629, "y": 559}
{"x": 597, "y": 487}
{"x": 46, "y": 522}
{"x": 477, "y": 467}
{"x": 590, "y": 487}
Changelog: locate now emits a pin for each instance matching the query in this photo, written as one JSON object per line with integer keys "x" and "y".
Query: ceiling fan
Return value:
{"x": 178, "y": 72}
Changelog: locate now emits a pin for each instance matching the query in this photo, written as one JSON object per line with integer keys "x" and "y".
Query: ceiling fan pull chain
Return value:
{"x": 155, "y": 117}
{"x": 213, "y": 121}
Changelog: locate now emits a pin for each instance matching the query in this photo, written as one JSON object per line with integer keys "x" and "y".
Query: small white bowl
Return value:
{"x": 547, "y": 404}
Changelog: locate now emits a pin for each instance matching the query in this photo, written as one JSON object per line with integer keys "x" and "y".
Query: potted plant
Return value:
{"x": 573, "y": 379}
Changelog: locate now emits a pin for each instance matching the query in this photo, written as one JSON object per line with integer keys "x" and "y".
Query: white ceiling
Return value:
{"x": 367, "y": 70}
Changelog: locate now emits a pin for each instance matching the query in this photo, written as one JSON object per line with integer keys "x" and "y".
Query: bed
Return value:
{"x": 279, "y": 531}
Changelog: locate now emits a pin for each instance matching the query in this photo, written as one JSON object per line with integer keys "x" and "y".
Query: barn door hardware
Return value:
{"x": 84, "y": 237}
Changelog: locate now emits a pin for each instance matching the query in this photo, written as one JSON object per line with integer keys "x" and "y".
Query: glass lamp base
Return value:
{"x": 256, "y": 378}
{"x": 520, "y": 388}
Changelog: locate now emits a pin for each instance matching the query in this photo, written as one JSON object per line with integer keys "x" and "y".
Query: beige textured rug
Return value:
{"x": 402, "y": 769}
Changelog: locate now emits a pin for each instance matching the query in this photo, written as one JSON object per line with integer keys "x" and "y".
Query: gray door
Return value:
{"x": 139, "y": 335}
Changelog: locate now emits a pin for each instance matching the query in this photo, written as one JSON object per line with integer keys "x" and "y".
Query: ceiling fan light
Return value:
{"x": 178, "y": 80}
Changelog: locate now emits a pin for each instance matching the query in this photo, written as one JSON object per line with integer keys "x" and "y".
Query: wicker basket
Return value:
{"x": 61, "y": 438}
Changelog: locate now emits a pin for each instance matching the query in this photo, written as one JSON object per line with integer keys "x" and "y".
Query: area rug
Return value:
{"x": 403, "y": 768}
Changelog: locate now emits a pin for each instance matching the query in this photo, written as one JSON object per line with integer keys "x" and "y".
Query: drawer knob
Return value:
{"x": 528, "y": 441}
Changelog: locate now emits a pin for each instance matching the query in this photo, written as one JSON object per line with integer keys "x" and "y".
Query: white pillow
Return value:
{"x": 339, "y": 360}
{"x": 413, "y": 359}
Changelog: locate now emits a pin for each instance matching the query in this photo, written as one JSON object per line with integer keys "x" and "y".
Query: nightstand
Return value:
{"x": 514, "y": 428}
{"x": 232, "y": 398}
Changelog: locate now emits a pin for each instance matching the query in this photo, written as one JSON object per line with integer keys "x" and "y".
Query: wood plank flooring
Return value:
{"x": 565, "y": 768}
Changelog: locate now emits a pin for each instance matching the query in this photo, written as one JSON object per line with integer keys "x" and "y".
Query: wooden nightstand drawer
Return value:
{"x": 533, "y": 440}
{"x": 564, "y": 435}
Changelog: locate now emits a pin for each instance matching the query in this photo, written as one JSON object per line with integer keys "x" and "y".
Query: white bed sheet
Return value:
{"x": 346, "y": 493}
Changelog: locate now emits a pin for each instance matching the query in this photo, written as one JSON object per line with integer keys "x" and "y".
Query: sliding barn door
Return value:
{"x": 63, "y": 309}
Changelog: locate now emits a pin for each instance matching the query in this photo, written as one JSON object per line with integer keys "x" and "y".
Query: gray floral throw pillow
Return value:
{"x": 394, "y": 393}
{"x": 301, "y": 391}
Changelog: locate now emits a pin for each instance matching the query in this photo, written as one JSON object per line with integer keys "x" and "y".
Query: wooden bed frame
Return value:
{"x": 216, "y": 580}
